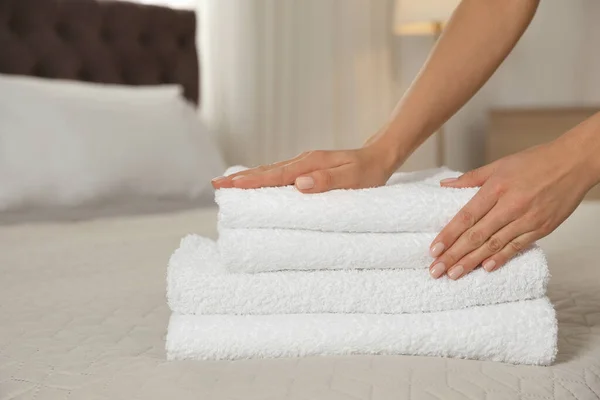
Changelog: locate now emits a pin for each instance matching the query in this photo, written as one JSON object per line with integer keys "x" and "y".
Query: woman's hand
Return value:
{"x": 523, "y": 198}
{"x": 475, "y": 41}
{"x": 319, "y": 171}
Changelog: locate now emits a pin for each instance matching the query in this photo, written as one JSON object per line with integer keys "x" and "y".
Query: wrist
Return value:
{"x": 590, "y": 146}
{"x": 388, "y": 152}
{"x": 582, "y": 143}
{"x": 594, "y": 163}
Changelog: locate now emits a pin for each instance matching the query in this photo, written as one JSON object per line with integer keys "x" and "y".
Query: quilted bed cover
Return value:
{"x": 83, "y": 315}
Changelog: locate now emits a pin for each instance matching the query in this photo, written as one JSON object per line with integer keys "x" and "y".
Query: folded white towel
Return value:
{"x": 410, "y": 202}
{"x": 522, "y": 333}
{"x": 260, "y": 250}
{"x": 199, "y": 284}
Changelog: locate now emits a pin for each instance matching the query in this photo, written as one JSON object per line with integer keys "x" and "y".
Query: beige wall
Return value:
{"x": 556, "y": 63}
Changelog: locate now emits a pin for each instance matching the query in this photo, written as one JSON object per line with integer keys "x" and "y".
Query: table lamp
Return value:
{"x": 424, "y": 18}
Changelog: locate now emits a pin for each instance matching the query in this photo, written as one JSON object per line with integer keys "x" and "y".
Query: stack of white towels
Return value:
{"x": 346, "y": 272}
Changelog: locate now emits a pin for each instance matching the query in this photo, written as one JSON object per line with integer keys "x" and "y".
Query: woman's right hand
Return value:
{"x": 319, "y": 171}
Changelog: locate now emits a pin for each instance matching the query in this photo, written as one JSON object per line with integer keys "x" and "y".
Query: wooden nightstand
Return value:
{"x": 513, "y": 130}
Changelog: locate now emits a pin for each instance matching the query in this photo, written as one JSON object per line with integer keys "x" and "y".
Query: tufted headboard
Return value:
{"x": 99, "y": 41}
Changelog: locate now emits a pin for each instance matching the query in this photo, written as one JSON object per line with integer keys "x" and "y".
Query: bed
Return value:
{"x": 82, "y": 304}
{"x": 84, "y": 316}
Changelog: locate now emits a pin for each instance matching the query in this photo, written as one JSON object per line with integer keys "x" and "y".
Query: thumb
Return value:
{"x": 473, "y": 178}
{"x": 324, "y": 180}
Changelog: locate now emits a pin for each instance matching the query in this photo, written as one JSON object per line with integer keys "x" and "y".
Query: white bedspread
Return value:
{"x": 83, "y": 315}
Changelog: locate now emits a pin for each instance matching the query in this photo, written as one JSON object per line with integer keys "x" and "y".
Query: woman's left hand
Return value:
{"x": 522, "y": 198}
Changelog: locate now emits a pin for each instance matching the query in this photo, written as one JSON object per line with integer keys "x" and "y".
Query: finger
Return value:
{"x": 496, "y": 243}
{"x": 512, "y": 248}
{"x": 324, "y": 180}
{"x": 227, "y": 181}
{"x": 473, "y": 178}
{"x": 268, "y": 167}
{"x": 464, "y": 220}
{"x": 472, "y": 240}
{"x": 287, "y": 174}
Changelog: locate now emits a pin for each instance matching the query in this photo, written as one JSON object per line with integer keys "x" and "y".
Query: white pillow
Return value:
{"x": 97, "y": 91}
{"x": 71, "y": 143}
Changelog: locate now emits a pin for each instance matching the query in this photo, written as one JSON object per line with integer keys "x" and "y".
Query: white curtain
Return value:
{"x": 279, "y": 77}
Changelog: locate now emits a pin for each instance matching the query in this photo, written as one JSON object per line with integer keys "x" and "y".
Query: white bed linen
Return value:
{"x": 83, "y": 316}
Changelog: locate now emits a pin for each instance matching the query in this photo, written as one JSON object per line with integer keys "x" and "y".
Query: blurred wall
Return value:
{"x": 556, "y": 63}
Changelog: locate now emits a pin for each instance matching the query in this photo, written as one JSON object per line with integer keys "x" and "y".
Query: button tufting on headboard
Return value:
{"x": 99, "y": 41}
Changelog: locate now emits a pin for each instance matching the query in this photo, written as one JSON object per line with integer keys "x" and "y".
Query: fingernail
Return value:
{"x": 456, "y": 272}
{"x": 448, "y": 180}
{"x": 437, "y": 270}
{"x": 217, "y": 179}
{"x": 237, "y": 177}
{"x": 489, "y": 265}
{"x": 437, "y": 249}
{"x": 305, "y": 182}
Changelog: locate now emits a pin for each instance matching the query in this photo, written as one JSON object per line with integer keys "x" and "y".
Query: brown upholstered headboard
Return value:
{"x": 99, "y": 41}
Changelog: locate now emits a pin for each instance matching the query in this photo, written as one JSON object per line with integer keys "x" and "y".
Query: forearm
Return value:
{"x": 474, "y": 43}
